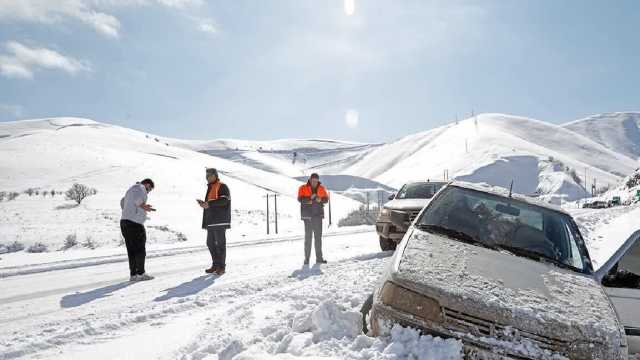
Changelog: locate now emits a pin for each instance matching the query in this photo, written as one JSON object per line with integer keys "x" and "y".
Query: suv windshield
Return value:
{"x": 505, "y": 224}
{"x": 419, "y": 190}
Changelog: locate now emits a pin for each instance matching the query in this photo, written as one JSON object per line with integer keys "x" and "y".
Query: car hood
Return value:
{"x": 407, "y": 204}
{"x": 507, "y": 290}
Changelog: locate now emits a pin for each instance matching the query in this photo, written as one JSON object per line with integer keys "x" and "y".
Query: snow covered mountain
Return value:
{"x": 51, "y": 154}
{"x": 290, "y": 157}
{"x": 616, "y": 131}
{"x": 538, "y": 156}
{"x": 541, "y": 158}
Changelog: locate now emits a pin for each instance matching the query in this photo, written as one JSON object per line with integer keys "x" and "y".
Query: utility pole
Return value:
{"x": 585, "y": 183}
{"x": 275, "y": 205}
{"x": 466, "y": 145}
{"x": 329, "y": 210}
{"x": 267, "y": 214}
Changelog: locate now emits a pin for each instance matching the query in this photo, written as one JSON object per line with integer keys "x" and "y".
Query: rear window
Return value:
{"x": 419, "y": 190}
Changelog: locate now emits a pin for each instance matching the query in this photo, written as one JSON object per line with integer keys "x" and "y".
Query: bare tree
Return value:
{"x": 79, "y": 192}
{"x": 30, "y": 191}
{"x": 12, "y": 196}
{"x": 2, "y": 195}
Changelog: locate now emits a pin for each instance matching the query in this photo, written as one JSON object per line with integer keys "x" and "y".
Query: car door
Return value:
{"x": 625, "y": 295}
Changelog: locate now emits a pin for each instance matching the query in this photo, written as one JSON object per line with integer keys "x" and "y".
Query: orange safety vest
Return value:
{"x": 212, "y": 194}
{"x": 306, "y": 191}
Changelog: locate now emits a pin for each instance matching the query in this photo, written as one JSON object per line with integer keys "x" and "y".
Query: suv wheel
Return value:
{"x": 387, "y": 244}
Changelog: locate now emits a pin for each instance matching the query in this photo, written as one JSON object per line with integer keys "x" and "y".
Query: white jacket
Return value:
{"x": 130, "y": 204}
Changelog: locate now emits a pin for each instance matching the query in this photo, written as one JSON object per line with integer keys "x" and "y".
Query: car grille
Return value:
{"x": 413, "y": 214}
{"x": 462, "y": 322}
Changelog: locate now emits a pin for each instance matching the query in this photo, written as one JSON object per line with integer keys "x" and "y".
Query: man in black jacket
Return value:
{"x": 216, "y": 219}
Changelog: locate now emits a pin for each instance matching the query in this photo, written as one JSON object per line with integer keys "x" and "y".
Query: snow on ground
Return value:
{"x": 51, "y": 154}
{"x": 265, "y": 307}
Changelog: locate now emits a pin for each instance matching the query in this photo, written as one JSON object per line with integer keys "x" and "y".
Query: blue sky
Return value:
{"x": 310, "y": 68}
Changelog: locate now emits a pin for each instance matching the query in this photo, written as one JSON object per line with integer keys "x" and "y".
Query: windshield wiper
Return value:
{"x": 535, "y": 255}
{"x": 456, "y": 234}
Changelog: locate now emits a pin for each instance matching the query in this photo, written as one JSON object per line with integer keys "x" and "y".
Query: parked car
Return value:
{"x": 511, "y": 278}
{"x": 615, "y": 201}
{"x": 410, "y": 199}
{"x": 598, "y": 204}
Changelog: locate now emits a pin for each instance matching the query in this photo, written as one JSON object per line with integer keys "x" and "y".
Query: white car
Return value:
{"x": 511, "y": 278}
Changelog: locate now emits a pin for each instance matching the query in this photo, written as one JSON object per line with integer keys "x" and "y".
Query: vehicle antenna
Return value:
{"x": 511, "y": 188}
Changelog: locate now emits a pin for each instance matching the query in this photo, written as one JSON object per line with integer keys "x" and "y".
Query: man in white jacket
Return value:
{"x": 134, "y": 213}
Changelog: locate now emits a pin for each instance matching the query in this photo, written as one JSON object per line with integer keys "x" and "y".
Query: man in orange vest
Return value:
{"x": 216, "y": 219}
{"x": 312, "y": 197}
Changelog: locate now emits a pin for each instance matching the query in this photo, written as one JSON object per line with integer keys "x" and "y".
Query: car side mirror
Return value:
{"x": 399, "y": 218}
{"x": 392, "y": 196}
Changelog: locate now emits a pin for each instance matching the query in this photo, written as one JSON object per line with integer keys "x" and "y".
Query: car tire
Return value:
{"x": 366, "y": 310}
{"x": 387, "y": 244}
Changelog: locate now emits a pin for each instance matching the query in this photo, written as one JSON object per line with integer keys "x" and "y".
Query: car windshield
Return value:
{"x": 419, "y": 190}
{"x": 505, "y": 224}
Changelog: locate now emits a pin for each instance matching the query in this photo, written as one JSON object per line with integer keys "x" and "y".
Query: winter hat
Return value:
{"x": 314, "y": 176}
{"x": 212, "y": 171}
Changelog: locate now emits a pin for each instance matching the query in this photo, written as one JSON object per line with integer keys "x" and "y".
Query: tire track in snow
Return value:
{"x": 110, "y": 259}
{"x": 238, "y": 294}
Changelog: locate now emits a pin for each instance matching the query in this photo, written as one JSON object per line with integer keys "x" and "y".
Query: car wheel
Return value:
{"x": 387, "y": 244}
{"x": 365, "y": 310}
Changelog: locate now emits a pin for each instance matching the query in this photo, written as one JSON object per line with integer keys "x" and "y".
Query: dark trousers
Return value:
{"x": 313, "y": 228}
{"x": 135, "y": 238}
{"x": 217, "y": 244}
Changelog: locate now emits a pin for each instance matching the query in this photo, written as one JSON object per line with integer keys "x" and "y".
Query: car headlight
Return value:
{"x": 411, "y": 302}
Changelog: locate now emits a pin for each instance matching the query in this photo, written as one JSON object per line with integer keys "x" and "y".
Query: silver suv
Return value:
{"x": 397, "y": 214}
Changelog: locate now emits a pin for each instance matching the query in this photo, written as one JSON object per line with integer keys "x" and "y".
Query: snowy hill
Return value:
{"x": 290, "y": 157}
{"x": 51, "y": 154}
{"x": 616, "y": 131}
{"x": 494, "y": 148}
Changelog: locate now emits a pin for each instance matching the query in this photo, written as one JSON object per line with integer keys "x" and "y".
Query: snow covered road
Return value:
{"x": 262, "y": 307}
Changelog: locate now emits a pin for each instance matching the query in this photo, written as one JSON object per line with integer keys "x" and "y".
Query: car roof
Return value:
{"x": 503, "y": 192}
{"x": 427, "y": 182}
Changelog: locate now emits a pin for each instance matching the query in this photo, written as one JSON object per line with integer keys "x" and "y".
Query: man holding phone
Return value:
{"x": 216, "y": 219}
{"x": 312, "y": 197}
{"x": 134, "y": 213}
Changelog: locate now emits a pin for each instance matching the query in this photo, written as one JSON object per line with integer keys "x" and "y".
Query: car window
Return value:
{"x": 418, "y": 191}
{"x": 500, "y": 222}
{"x": 626, "y": 273}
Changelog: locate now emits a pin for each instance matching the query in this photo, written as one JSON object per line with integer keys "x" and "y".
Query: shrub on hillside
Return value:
{"x": 79, "y": 192}
{"x": 12, "y": 196}
{"x": 37, "y": 248}
{"x": 70, "y": 241}
{"x": 359, "y": 217}
{"x": 3, "y": 194}
{"x": 634, "y": 180}
{"x": 89, "y": 243}
{"x": 11, "y": 247}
